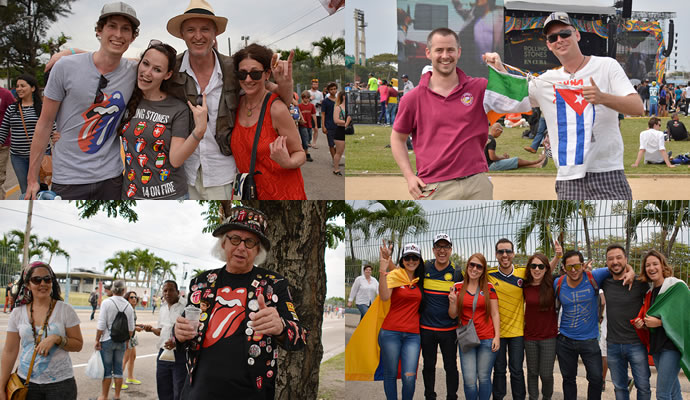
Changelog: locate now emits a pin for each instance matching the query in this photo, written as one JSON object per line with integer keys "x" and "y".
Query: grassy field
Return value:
{"x": 367, "y": 154}
{"x": 332, "y": 378}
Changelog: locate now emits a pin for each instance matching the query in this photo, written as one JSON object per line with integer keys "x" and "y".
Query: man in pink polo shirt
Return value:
{"x": 446, "y": 118}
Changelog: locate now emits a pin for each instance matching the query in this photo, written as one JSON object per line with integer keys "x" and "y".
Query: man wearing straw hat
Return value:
{"x": 203, "y": 70}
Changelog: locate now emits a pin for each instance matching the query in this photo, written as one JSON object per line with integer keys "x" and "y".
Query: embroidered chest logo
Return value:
{"x": 467, "y": 99}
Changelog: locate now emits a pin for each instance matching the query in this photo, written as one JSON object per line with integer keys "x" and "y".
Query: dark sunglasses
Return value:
{"x": 133, "y": 297}
{"x": 248, "y": 242}
{"x": 99, "y": 92}
{"x": 156, "y": 42}
{"x": 476, "y": 266}
{"x": 410, "y": 257}
{"x": 504, "y": 251}
{"x": 535, "y": 266}
{"x": 36, "y": 280}
{"x": 564, "y": 34}
{"x": 255, "y": 75}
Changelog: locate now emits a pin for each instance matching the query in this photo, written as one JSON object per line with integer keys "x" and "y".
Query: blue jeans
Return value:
{"x": 619, "y": 356}
{"x": 653, "y": 109}
{"x": 514, "y": 349}
{"x": 305, "y": 135}
{"x": 667, "y": 368}
{"x": 363, "y": 308}
{"x": 567, "y": 351}
{"x": 391, "y": 112}
{"x": 400, "y": 347}
{"x": 476, "y": 365}
{"x": 112, "y": 354}
{"x": 170, "y": 376}
{"x": 539, "y": 137}
{"x": 21, "y": 169}
{"x": 382, "y": 117}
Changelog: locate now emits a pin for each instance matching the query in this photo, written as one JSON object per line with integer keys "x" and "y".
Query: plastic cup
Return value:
{"x": 192, "y": 315}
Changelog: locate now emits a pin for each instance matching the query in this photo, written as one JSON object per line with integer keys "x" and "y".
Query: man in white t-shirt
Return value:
{"x": 316, "y": 99}
{"x": 652, "y": 145}
{"x": 580, "y": 103}
{"x": 407, "y": 84}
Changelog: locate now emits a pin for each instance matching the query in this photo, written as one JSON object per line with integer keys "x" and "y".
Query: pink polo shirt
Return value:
{"x": 383, "y": 94}
{"x": 448, "y": 133}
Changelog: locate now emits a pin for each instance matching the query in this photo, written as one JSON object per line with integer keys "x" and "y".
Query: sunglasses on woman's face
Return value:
{"x": 36, "y": 280}
{"x": 476, "y": 266}
{"x": 564, "y": 34}
{"x": 133, "y": 297}
{"x": 409, "y": 257}
{"x": 535, "y": 266}
{"x": 255, "y": 75}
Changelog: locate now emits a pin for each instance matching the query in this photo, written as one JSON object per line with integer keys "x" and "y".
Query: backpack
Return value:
{"x": 592, "y": 281}
{"x": 119, "y": 330}
{"x": 93, "y": 298}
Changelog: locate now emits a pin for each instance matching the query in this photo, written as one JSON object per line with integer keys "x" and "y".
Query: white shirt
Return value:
{"x": 217, "y": 169}
{"x": 167, "y": 319}
{"x": 593, "y": 141}
{"x": 408, "y": 86}
{"x": 652, "y": 142}
{"x": 316, "y": 99}
{"x": 364, "y": 292}
{"x": 109, "y": 309}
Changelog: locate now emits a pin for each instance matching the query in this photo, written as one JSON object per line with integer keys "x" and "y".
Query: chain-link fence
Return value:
{"x": 588, "y": 226}
{"x": 10, "y": 266}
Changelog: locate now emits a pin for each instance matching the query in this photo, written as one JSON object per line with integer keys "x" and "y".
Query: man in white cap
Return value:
{"x": 86, "y": 95}
{"x": 580, "y": 103}
{"x": 202, "y": 69}
{"x": 436, "y": 328}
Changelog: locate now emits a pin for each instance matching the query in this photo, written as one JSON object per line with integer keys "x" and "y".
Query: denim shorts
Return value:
{"x": 112, "y": 354}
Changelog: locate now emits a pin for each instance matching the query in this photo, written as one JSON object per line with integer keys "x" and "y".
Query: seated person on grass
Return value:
{"x": 504, "y": 163}
{"x": 652, "y": 145}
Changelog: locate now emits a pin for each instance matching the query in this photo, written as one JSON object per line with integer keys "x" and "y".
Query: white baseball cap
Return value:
{"x": 442, "y": 236}
{"x": 412, "y": 248}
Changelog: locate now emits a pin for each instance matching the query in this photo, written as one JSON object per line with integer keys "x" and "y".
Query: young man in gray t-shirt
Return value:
{"x": 86, "y": 95}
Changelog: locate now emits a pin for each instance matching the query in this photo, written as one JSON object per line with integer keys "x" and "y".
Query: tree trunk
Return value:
{"x": 676, "y": 228}
{"x": 297, "y": 231}
{"x": 27, "y": 236}
{"x": 588, "y": 240}
{"x": 628, "y": 227}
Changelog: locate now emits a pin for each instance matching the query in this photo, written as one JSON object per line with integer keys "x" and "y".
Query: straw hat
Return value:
{"x": 196, "y": 9}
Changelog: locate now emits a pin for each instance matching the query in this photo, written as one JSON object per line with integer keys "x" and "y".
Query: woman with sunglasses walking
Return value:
{"x": 131, "y": 352}
{"x": 44, "y": 327}
{"x": 399, "y": 336}
{"x": 279, "y": 153}
{"x": 541, "y": 326}
{"x": 158, "y": 132}
{"x": 478, "y": 362}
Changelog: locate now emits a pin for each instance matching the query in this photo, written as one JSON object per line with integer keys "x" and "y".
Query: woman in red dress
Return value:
{"x": 279, "y": 152}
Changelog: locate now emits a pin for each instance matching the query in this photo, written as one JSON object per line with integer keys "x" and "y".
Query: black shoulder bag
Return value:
{"x": 244, "y": 187}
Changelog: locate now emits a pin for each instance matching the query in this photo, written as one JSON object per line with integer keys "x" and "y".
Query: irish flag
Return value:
{"x": 506, "y": 93}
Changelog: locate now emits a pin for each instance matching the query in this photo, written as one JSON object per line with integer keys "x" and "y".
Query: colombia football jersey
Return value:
{"x": 511, "y": 305}
{"x": 437, "y": 285}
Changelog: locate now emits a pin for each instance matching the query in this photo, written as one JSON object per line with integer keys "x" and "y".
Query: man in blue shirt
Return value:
{"x": 327, "y": 106}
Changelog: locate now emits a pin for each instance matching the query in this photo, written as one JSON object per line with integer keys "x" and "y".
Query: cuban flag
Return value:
{"x": 575, "y": 118}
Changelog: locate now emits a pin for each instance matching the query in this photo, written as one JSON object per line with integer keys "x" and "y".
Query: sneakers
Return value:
{"x": 133, "y": 381}
{"x": 309, "y": 158}
{"x": 124, "y": 386}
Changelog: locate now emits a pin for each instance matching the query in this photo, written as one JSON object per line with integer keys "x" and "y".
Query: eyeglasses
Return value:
{"x": 504, "y": 251}
{"x": 248, "y": 242}
{"x": 564, "y": 34}
{"x": 255, "y": 75}
{"x": 535, "y": 266}
{"x": 36, "y": 280}
{"x": 475, "y": 266}
{"x": 442, "y": 247}
{"x": 573, "y": 267}
{"x": 169, "y": 48}
{"x": 99, "y": 92}
{"x": 410, "y": 257}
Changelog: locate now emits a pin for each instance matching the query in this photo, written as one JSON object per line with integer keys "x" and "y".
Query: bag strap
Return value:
{"x": 21, "y": 115}
{"x": 259, "y": 124}
{"x": 474, "y": 303}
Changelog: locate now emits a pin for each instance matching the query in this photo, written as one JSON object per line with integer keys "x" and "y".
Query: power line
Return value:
{"x": 108, "y": 234}
{"x": 301, "y": 29}
{"x": 295, "y": 20}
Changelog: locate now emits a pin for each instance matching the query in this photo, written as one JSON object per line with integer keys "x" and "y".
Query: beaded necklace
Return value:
{"x": 44, "y": 329}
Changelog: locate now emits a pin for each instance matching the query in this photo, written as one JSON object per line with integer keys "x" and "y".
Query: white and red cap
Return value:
{"x": 442, "y": 236}
{"x": 412, "y": 248}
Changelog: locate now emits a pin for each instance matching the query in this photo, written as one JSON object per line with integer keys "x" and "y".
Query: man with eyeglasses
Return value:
{"x": 86, "y": 95}
{"x": 437, "y": 328}
{"x": 579, "y": 328}
{"x": 623, "y": 345}
{"x": 203, "y": 69}
{"x": 652, "y": 145}
{"x": 580, "y": 102}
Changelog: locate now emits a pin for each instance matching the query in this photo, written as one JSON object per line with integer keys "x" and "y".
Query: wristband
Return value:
{"x": 63, "y": 342}
{"x": 72, "y": 50}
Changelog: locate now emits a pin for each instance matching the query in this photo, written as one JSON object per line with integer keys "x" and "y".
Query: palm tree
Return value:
{"x": 329, "y": 47}
{"x": 52, "y": 246}
{"x": 542, "y": 215}
{"x": 398, "y": 218}
{"x": 670, "y": 215}
{"x": 144, "y": 261}
{"x": 17, "y": 237}
{"x": 166, "y": 268}
{"x": 356, "y": 219}
{"x": 121, "y": 263}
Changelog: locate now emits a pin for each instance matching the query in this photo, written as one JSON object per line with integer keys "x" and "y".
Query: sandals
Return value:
{"x": 337, "y": 173}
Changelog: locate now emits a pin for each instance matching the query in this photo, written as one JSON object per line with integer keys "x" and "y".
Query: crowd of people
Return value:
{"x": 539, "y": 312}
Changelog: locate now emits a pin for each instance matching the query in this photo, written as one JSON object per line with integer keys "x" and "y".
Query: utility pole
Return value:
{"x": 360, "y": 38}
{"x": 229, "y": 47}
{"x": 246, "y": 39}
{"x": 27, "y": 236}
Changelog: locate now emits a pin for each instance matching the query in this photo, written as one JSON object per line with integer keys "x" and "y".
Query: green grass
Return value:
{"x": 332, "y": 378}
{"x": 366, "y": 150}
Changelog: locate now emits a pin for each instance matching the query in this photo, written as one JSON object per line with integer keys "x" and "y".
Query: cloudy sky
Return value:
{"x": 381, "y": 30}
{"x": 169, "y": 229}
{"x": 267, "y": 22}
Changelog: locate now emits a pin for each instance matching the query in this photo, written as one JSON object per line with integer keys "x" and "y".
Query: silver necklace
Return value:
{"x": 572, "y": 75}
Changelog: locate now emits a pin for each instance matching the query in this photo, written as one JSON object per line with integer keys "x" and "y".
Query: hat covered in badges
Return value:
{"x": 120, "y": 8}
{"x": 442, "y": 236}
{"x": 412, "y": 248}
{"x": 196, "y": 9}
{"x": 245, "y": 219}
{"x": 559, "y": 16}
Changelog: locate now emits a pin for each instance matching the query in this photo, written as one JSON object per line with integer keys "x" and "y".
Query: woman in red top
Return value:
{"x": 478, "y": 362}
{"x": 541, "y": 326}
{"x": 399, "y": 336}
{"x": 279, "y": 151}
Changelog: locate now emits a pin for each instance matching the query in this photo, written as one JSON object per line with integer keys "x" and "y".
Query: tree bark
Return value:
{"x": 297, "y": 230}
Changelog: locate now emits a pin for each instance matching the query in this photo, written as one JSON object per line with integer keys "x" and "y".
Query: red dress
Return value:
{"x": 274, "y": 182}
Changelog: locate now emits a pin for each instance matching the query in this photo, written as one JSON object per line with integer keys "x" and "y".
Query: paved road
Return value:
{"x": 145, "y": 365}
{"x": 355, "y": 390}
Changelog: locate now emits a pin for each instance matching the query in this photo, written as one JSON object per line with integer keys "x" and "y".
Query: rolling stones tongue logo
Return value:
{"x": 139, "y": 129}
{"x": 141, "y": 144}
{"x": 227, "y": 315}
{"x": 100, "y": 123}
{"x": 158, "y": 144}
{"x": 158, "y": 130}
{"x": 142, "y": 159}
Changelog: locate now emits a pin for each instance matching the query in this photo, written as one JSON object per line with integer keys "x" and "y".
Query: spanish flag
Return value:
{"x": 362, "y": 353}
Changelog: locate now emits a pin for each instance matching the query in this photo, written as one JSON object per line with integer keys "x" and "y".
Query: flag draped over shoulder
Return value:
{"x": 674, "y": 296}
{"x": 506, "y": 93}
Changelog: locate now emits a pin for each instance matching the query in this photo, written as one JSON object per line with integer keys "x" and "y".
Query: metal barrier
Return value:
{"x": 363, "y": 106}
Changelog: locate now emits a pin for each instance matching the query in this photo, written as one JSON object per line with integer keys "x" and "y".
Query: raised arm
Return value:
{"x": 42, "y": 132}
{"x": 385, "y": 253}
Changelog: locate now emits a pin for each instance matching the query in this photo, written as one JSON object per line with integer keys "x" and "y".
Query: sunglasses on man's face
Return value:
{"x": 535, "y": 266}
{"x": 564, "y": 34}
{"x": 504, "y": 251}
{"x": 36, "y": 280}
{"x": 255, "y": 75}
{"x": 102, "y": 83}
{"x": 573, "y": 267}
